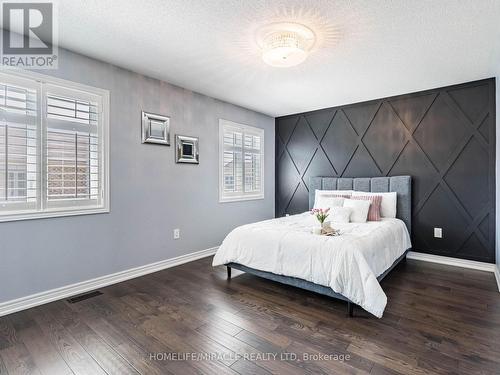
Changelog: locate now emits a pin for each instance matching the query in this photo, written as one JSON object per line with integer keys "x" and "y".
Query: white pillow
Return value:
{"x": 339, "y": 215}
{"x": 325, "y": 201}
{"x": 320, "y": 195}
{"x": 388, "y": 205}
{"x": 359, "y": 208}
{"x": 333, "y": 192}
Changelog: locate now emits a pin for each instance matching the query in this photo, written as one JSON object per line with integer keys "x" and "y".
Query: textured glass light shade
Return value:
{"x": 284, "y": 49}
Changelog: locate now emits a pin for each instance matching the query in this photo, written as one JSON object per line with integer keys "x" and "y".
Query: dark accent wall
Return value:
{"x": 444, "y": 138}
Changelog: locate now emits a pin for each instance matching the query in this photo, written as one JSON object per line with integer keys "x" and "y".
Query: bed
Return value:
{"x": 348, "y": 267}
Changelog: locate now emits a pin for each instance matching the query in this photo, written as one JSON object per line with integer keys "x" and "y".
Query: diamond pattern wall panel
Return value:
{"x": 319, "y": 122}
{"x": 339, "y": 142}
{"x": 440, "y": 123}
{"x": 302, "y": 145}
{"x": 386, "y": 137}
{"x": 444, "y": 138}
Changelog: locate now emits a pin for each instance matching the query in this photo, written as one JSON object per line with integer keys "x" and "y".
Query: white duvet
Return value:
{"x": 349, "y": 263}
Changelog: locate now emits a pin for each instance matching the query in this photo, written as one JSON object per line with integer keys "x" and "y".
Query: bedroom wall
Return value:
{"x": 444, "y": 138}
{"x": 150, "y": 194}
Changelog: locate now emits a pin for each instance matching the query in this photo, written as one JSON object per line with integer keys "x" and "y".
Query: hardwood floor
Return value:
{"x": 439, "y": 320}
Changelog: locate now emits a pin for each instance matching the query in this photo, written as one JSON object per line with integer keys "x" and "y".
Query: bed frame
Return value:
{"x": 399, "y": 184}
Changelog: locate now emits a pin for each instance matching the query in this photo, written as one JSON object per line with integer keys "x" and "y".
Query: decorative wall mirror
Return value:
{"x": 186, "y": 149}
{"x": 155, "y": 129}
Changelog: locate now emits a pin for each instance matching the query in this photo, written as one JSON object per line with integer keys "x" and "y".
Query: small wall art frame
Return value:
{"x": 186, "y": 149}
{"x": 155, "y": 128}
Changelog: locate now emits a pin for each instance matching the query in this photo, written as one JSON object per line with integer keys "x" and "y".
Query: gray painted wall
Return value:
{"x": 150, "y": 194}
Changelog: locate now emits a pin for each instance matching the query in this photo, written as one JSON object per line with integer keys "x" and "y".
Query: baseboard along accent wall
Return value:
{"x": 24, "y": 303}
{"x": 455, "y": 262}
{"x": 497, "y": 276}
{"x": 444, "y": 138}
{"x": 470, "y": 264}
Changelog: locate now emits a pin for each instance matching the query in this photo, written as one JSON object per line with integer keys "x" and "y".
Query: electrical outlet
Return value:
{"x": 177, "y": 234}
{"x": 286, "y": 215}
{"x": 438, "y": 232}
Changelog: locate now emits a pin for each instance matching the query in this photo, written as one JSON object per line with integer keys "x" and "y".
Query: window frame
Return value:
{"x": 239, "y": 197}
{"x": 43, "y": 82}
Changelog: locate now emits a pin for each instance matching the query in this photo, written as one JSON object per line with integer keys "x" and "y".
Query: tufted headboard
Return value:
{"x": 399, "y": 184}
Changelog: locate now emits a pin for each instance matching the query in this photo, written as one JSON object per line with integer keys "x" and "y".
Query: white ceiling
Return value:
{"x": 368, "y": 49}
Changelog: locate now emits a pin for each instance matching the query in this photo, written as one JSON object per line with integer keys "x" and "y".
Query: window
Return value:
{"x": 241, "y": 162}
{"x": 53, "y": 147}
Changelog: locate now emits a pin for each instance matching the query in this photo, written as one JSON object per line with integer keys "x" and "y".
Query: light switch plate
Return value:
{"x": 438, "y": 232}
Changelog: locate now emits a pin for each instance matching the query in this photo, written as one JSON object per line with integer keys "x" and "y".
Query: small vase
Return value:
{"x": 325, "y": 224}
{"x": 316, "y": 230}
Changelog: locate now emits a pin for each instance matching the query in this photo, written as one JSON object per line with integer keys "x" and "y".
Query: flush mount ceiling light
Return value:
{"x": 285, "y": 44}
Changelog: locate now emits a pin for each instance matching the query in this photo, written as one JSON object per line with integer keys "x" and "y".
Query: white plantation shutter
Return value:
{"x": 252, "y": 163}
{"x": 72, "y": 148}
{"x": 233, "y": 160}
{"x": 241, "y": 170}
{"x": 52, "y": 149}
{"x": 19, "y": 172}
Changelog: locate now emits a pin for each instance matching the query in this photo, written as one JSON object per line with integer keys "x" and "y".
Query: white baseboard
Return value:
{"x": 497, "y": 276}
{"x": 37, "y": 299}
{"x": 464, "y": 263}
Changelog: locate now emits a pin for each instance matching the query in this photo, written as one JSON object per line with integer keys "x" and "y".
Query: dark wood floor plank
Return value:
{"x": 474, "y": 368}
{"x": 165, "y": 298}
{"x": 441, "y": 319}
{"x": 335, "y": 365}
{"x": 438, "y": 320}
{"x": 318, "y": 307}
{"x": 102, "y": 353}
{"x": 381, "y": 370}
{"x": 253, "y": 298}
{"x": 232, "y": 343}
{"x": 122, "y": 330}
{"x": 44, "y": 354}
{"x": 259, "y": 323}
{"x": 258, "y": 342}
{"x": 327, "y": 344}
{"x": 3, "y": 369}
{"x": 18, "y": 361}
{"x": 72, "y": 352}
{"x": 184, "y": 340}
{"x": 8, "y": 335}
{"x": 245, "y": 367}
{"x": 143, "y": 330}
{"x": 280, "y": 366}
{"x": 125, "y": 346}
{"x": 406, "y": 363}
{"x": 135, "y": 346}
{"x": 21, "y": 320}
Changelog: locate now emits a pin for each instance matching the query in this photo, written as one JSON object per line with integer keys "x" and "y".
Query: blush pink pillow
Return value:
{"x": 376, "y": 201}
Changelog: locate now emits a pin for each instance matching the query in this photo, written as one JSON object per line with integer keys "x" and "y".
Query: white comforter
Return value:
{"x": 349, "y": 263}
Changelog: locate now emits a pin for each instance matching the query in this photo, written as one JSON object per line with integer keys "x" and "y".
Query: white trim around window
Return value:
{"x": 241, "y": 162}
{"x": 78, "y": 113}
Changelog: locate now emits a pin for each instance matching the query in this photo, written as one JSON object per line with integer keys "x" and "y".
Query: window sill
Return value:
{"x": 240, "y": 199}
{"x": 53, "y": 214}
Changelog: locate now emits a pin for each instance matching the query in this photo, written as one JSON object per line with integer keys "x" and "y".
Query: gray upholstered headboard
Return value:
{"x": 399, "y": 184}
